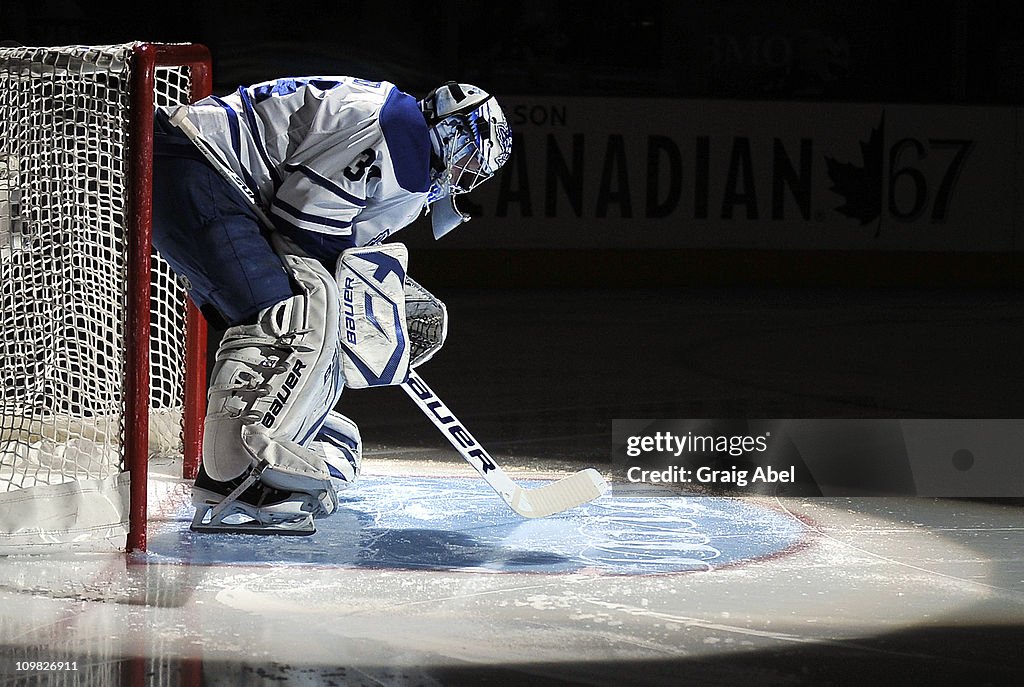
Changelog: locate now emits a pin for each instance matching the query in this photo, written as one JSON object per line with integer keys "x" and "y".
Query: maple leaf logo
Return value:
{"x": 861, "y": 186}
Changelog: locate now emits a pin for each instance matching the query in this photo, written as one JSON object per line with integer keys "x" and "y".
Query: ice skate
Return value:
{"x": 246, "y": 505}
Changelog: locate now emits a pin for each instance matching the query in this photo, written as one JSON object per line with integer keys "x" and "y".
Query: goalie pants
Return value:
{"x": 210, "y": 236}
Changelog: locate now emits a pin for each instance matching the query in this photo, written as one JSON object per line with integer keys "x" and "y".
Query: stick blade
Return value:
{"x": 568, "y": 492}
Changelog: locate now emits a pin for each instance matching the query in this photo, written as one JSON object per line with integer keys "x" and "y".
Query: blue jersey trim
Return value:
{"x": 236, "y": 144}
{"x": 289, "y": 86}
{"x": 405, "y": 131}
{"x": 250, "y": 116}
{"x": 312, "y": 219}
{"x": 324, "y": 247}
{"x": 324, "y": 182}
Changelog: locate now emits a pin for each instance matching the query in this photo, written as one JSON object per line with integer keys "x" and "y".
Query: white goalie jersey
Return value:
{"x": 332, "y": 155}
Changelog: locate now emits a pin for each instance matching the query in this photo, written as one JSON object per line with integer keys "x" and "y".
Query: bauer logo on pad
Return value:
{"x": 375, "y": 337}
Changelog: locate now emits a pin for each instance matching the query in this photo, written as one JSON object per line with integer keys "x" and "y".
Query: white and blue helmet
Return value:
{"x": 471, "y": 140}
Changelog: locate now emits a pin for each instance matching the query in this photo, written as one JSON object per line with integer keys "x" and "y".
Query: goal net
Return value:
{"x": 97, "y": 360}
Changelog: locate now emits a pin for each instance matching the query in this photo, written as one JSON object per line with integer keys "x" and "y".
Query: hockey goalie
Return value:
{"x": 273, "y": 206}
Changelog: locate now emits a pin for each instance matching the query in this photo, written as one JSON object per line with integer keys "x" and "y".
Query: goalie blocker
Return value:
{"x": 374, "y": 332}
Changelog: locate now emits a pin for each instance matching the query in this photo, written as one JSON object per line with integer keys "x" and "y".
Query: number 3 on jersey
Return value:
{"x": 356, "y": 170}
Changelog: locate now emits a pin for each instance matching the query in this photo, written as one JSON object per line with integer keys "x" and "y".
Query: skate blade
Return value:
{"x": 300, "y": 527}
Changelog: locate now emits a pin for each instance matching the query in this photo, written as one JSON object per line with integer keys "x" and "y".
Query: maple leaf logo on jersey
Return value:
{"x": 861, "y": 186}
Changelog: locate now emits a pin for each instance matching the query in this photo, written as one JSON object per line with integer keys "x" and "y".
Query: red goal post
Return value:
{"x": 148, "y": 57}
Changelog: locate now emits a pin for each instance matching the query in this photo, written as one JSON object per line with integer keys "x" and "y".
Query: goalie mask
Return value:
{"x": 471, "y": 140}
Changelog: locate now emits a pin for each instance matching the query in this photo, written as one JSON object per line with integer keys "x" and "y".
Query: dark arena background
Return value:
{"x": 796, "y": 221}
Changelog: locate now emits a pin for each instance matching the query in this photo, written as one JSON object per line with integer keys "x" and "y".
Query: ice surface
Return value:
{"x": 453, "y": 523}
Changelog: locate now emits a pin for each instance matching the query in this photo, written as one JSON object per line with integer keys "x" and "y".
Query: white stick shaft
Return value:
{"x": 180, "y": 120}
{"x": 569, "y": 492}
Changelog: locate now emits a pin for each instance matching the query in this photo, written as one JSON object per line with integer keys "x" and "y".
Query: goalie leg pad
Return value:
{"x": 342, "y": 448}
{"x": 332, "y": 462}
{"x": 290, "y": 467}
{"x": 272, "y": 388}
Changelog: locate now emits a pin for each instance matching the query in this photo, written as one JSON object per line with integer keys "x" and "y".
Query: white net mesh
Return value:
{"x": 64, "y": 190}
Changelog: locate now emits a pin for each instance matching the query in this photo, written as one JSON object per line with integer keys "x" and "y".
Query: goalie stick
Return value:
{"x": 567, "y": 493}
